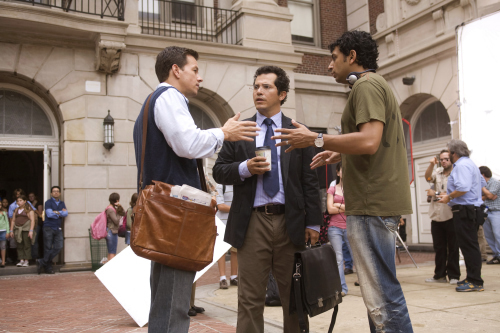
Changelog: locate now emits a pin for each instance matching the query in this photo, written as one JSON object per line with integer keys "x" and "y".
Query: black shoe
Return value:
{"x": 348, "y": 271}
{"x": 356, "y": 283}
{"x": 191, "y": 312}
{"x": 49, "y": 271}
{"x": 198, "y": 309}
{"x": 494, "y": 261}
{"x": 233, "y": 282}
{"x": 2, "y": 265}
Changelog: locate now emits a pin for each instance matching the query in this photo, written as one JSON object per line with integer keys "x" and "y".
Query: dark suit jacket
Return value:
{"x": 300, "y": 183}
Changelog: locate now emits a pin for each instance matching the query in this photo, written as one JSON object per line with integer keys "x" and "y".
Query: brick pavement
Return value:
{"x": 78, "y": 302}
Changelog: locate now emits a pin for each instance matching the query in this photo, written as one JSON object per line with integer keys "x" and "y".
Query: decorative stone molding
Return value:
{"x": 108, "y": 56}
{"x": 412, "y": 2}
{"x": 438, "y": 18}
{"x": 467, "y": 7}
{"x": 381, "y": 22}
{"x": 391, "y": 46}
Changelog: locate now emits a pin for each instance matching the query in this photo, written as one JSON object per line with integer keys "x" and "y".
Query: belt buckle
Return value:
{"x": 265, "y": 210}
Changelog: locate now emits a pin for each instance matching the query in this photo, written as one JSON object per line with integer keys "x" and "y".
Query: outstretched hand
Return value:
{"x": 298, "y": 137}
{"x": 235, "y": 130}
{"x": 324, "y": 158}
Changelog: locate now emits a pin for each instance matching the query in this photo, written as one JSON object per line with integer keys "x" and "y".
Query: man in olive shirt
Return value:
{"x": 375, "y": 169}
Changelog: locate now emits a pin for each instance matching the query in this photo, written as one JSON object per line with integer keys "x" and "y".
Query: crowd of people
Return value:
{"x": 462, "y": 198}
{"x": 30, "y": 232}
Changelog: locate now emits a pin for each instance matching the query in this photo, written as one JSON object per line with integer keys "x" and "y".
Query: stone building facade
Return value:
{"x": 71, "y": 67}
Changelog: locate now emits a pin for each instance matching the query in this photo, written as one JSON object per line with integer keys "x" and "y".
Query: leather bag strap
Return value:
{"x": 304, "y": 328}
{"x": 144, "y": 136}
{"x": 145, "y": 119}
{"x": 334, "y": 318}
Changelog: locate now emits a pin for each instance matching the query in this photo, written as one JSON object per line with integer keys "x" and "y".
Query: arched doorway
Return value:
{"x": 431, "y": 131}
{"x": 29, "y": 144}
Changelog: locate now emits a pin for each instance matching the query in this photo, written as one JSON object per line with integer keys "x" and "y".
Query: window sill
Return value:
{"x": 311, "y": 50}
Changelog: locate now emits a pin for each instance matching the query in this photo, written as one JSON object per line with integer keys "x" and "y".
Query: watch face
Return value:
{"x": 319, "y": 142}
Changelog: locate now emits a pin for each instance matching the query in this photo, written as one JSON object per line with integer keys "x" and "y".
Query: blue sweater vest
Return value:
{"x": 160, "y": 161}
{"x": 51, "y": 222}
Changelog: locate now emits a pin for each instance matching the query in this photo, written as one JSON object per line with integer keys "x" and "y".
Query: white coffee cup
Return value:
{"x": 264, "y": 151}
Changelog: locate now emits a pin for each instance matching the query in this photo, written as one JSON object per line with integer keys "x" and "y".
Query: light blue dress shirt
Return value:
{"x": 465, "y": 177}
{"x": 261, "y": 197}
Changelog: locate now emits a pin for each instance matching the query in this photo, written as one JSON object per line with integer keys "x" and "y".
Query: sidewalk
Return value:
{"x": 78, "y": 302}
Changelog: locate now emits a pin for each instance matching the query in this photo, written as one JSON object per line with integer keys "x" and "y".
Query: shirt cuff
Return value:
{"x": 243, "y": 170}
{"x": 313, "y": 227}
{"x": 219, "y": 135}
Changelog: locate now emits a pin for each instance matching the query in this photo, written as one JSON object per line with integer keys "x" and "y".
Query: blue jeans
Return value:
{"x": 337, "y": 236}
{"x": 491, "y": 229}
{"x": 373, "y": 245}
{"x": 53, "y": 243}
{"x": 127, "y": 238}
{"x": 111, "y": 242}
{"x": 346, "y": 252}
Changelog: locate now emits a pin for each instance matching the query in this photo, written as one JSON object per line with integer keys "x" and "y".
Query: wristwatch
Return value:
{"x": 319, "y": 142}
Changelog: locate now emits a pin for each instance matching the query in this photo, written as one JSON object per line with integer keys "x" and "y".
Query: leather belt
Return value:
{"x": 271, "y": 209}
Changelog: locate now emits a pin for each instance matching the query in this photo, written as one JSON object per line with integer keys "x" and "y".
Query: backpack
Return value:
{"x": 122, "y": 229}
{"x": 98, "y": 227}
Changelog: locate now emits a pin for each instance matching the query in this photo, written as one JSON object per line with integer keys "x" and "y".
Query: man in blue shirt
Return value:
{"x": 55, "y": 210}
{"x": 464, "y": 197}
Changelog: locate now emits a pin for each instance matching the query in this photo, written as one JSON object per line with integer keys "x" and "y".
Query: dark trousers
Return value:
{"x": 53, "y": 243}
{"x": 170, "y": 294}
{"x": 466, "y": 230}
{"x": 34, "y": 247}
{"x": 445, "y": 245}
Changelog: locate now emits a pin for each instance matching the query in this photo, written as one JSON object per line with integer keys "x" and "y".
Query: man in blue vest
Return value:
{"x": 173, "y": 144}
{"x": 55, "y": 210}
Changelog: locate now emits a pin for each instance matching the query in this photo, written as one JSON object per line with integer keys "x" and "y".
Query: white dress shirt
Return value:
{"x": 174, "y": 120}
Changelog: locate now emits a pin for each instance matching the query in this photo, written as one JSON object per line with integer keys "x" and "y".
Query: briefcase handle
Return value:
{"x": 145, "y": 118}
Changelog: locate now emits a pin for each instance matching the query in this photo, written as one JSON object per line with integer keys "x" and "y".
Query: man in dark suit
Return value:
{"x": 274, "y": 212}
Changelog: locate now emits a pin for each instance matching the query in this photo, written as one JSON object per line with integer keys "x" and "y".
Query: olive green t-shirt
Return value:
{"x": 378, "y": 184}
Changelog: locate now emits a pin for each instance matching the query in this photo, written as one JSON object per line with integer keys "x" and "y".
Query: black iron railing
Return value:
{"x": 102, "y": 8}
{"x": 188, "y": 21}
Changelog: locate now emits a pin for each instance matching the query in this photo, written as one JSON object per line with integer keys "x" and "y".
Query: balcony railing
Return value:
{"x": 102, "y": 8}
{"x": 188, "y": 21}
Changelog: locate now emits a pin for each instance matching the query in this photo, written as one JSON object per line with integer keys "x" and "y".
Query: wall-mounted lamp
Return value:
{"x": 408, "y": 81}
{"x": 109, "y": 124}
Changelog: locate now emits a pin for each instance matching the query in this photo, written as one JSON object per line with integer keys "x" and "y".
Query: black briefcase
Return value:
{"x": 316, "y": 286}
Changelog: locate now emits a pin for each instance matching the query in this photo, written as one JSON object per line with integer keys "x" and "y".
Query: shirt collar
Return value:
{"x": 460, "y": 160}
{"x": 55, "y": 200}
{"x": 276, "y": 119}
{"x": 164, "y": 84}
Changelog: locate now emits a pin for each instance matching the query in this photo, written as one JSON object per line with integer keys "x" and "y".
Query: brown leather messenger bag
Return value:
{"x": 171, "y": 231}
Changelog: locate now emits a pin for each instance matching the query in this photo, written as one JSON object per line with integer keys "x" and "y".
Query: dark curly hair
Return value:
{"x": 282, "y": 81}
{"x": 172, "y": 55}
{"x": 361, "y": 42}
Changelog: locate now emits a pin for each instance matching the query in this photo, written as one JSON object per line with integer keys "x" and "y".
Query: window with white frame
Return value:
{"x": 305, "y": 23}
